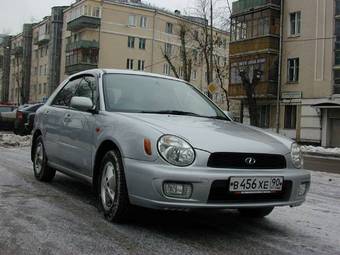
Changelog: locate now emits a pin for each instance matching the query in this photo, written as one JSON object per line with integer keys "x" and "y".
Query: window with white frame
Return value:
{"x": 132, "y": 20}
{"x": 142, "y": 43}
{"x": 166, "y": 69}
{"x": 194, "y": 75}
{"x": 129, "y": 64}
{"x": 131, "y": 42}
{"x": 168, "y": 49}
{"x": 141, "y": 65}
{"x": 143, "y": 22}
{"x": 295, "y": 23}
{"x": 293, "y": 69}
{"x": 168, "y": 28}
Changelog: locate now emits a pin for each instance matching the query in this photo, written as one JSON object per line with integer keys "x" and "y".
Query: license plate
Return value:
{"x": 256, "y": 184}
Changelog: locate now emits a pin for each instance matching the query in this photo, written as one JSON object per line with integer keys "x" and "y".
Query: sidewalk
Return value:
{"x": 322, "y": 162}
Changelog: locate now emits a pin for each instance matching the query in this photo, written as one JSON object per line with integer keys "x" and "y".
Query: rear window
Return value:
{"x": 6, "y": 109}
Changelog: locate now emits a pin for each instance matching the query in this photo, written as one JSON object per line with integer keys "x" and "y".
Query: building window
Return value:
{"x": 293, "y": 70}
{"x": 40, "y": 70}
{"x": 143, "y": 21}
{"x": 264, "y": 116}
{"x": 129, "y": 64}
{"x": 295, "y": 23}
{"x": 290, "y": 117}
{"x": 168, "y": 28}
{"x": 142, "y": 43}
{"x": 337, "y": 77}
{"x": 45, "y": 85}
{"x": 131, "y": 42}
{"x": 141, "y": 64}
{"x": 132, "y": 20}
{"x": 166, "y": 69}
{"x": 194, "y": 75}
{"x": 39, "y": 89}
{"x": 168, "y": 49}
{"x": 45, "y": 70}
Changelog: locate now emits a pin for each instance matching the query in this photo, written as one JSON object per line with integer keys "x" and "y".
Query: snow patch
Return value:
{"x": 12, "y": 140}
{"x": 320, "y": 150}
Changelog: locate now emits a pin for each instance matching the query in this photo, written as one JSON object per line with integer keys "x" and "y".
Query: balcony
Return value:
{"x": 79, "y": 67}
{"x": 17, "y": 51}
{"x": 262, "y": 90}
{"x": 254, "y": 45}
{"x": 82, "y": 44}
{"x": 81, "y": 60}
{"x": 41, "y": 39}
{"x": 83, "y": 22}
{"x": 248, "y": 5}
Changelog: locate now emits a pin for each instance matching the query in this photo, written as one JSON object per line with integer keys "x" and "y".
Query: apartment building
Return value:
{"x": 5, "y": 51}
{"x": 46, "y": 55}
{"x": 254, "y": 50}
{"x": 310, "y": 103}
{"x": 20, "y": 66}
{"x": 130, "y": 35}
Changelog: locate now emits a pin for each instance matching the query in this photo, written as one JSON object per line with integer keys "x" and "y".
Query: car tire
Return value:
{"x": 256, "y": 212}
{"x": 112, "y": 189}
{"x": 42, "y": 171}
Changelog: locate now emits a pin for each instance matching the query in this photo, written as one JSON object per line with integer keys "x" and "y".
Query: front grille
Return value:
{"x": 219, "y": 193}
{"x": 238, "y": 160}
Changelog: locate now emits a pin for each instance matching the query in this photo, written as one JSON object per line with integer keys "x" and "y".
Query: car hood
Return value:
{"x": 214, "y": 135}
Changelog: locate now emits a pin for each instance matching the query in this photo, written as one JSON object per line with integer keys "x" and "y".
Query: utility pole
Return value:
{"x": 211, "y": 43}
{"x": 278, "y": 96}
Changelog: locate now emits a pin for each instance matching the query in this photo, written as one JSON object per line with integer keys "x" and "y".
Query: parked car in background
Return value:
{"x": 23, "y": 123}
{"x": 155, "y": 141}
{"x": 7, "y": 117}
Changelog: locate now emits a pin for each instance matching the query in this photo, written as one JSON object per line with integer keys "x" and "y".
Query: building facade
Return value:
{"x": 5, "y": 54}
{"x": 310, "y": 71}
{"x": 309, "y": 66}
{"x": 131, "y": 35}
{"x": 254, "y": 51}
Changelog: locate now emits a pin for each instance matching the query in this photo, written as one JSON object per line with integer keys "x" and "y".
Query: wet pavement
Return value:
{"x": 62, "y": 218}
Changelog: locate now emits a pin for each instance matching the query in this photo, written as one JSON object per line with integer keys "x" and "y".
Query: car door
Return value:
{"x": 54, "y": 123}
{"x": 79, "y": 128}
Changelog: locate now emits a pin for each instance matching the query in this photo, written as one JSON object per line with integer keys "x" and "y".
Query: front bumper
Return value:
{"x": 145, "y": 185}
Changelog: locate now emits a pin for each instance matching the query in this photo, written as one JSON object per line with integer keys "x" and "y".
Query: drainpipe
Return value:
{"x": 153, "y": 40}
{"x": 280, "y": 70}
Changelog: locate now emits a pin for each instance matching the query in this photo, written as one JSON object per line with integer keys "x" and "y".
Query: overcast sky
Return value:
{"x": 13, "y": 13}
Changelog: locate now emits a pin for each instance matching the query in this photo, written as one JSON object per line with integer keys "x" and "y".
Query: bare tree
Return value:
{"x": 222, "y": 75}
{"x": 186, "y": 61}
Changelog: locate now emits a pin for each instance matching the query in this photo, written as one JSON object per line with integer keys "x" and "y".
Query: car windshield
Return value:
{"x": 145, "y": 94}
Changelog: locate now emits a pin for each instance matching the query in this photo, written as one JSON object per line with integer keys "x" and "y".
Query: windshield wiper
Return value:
{"x": 174, "y": 112}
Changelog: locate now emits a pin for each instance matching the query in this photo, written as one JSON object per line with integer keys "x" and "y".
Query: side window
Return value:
{"x": 87, "y": 88}
{"x": 65, "y": 95}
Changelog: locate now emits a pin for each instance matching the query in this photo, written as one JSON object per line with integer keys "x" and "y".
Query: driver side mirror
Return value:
{"x": 82, "y": 103}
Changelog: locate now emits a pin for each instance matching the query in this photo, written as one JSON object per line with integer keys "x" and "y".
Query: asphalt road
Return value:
{"x": 323, "y": 164}
{"x": 62, "y": 218}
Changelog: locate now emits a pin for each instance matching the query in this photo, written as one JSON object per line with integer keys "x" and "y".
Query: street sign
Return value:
{"x": 212, "y": 88}
{"x": 291, "y": 95}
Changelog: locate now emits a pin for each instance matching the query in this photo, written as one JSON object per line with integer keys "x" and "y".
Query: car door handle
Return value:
{"x": 67, "y": 118}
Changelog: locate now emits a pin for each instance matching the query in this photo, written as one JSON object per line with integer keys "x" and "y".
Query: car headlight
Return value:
{"x": 296, "y": 155}
{"x": 175, "y": 150}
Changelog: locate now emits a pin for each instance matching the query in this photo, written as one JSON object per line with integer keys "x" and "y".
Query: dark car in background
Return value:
{"x": 7, "y": 114}
{"x": 24, "y": 120}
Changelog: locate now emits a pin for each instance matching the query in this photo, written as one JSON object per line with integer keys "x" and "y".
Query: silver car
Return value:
{"x": 158, "y": 142}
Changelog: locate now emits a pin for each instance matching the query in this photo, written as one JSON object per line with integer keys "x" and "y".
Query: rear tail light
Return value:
{"x": 20, "y": 115}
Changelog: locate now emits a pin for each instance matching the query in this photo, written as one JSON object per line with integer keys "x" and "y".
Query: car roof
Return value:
{"x": 123, "y": 71}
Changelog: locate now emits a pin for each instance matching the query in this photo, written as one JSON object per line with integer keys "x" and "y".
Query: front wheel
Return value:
{"x": 256, "y": 212}
{"x": 42, "y": 171}
{"x": 112, "y": 188}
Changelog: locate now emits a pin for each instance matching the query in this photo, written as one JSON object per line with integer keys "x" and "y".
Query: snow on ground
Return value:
{"x": 12, "y": 140}
{"x": 321, "y": 150}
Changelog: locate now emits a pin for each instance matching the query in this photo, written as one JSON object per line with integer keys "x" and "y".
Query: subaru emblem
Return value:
{"x": 250, "y": 161}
